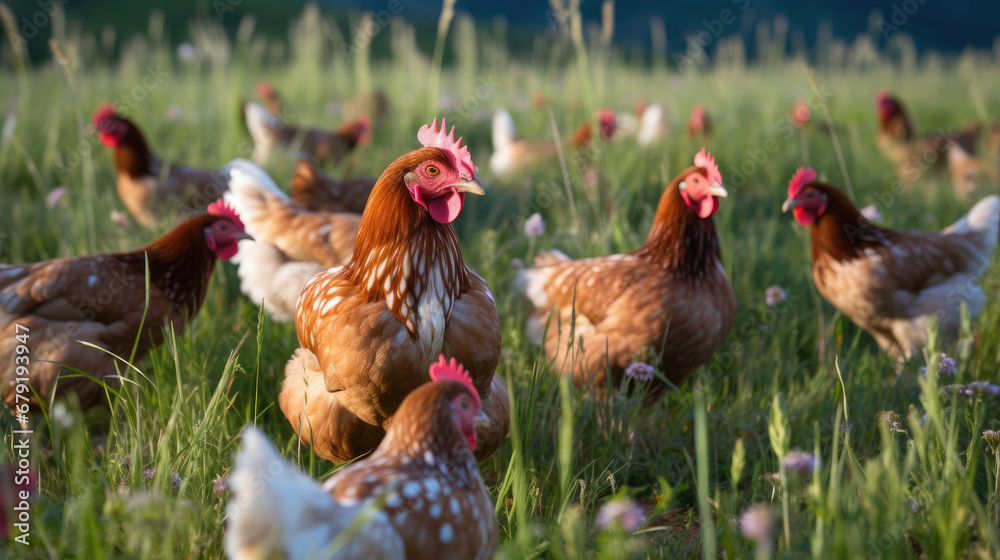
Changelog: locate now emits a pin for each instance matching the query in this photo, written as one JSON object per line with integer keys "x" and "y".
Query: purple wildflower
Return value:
{"x": 893, "y": 420}
{"x": 947, "y": 366}
{"x": 757, "y": 523}
{"x": 640, "y": 371}
{"x": 627, "y": 512}
{"x": 175, "y": 480}
{"x": 534, "y": 225}
{"x": 54, "y": 196}
{"x": 148, "y": 473}
{"x": 775, "y": 295}
{"x": 187, "y": 51}
{"x": 984, "y": 388}
{"x": 800, "y": 462}
{"x": 221, "y": 484}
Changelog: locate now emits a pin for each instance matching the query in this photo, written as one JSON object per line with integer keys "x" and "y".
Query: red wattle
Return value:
{"x": 704, "y": 207}
{"x": 444, "y": 209}
{"x": 804, "y": 217}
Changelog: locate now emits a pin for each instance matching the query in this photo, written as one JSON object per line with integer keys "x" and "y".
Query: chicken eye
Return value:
{"x": 432, "y": 170}
{"x": 465, "y": 404}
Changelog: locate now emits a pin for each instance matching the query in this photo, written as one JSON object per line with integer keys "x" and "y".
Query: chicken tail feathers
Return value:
{"x": 504, "y": 130}
{"x": 250, "y": 189}
{"x": 984, "y": 217}
{"x": 306, "y": 181}
{"x": 651, "y": 125}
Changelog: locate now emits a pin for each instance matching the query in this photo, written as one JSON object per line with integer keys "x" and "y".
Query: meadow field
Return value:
{"x": 146, "y": 478}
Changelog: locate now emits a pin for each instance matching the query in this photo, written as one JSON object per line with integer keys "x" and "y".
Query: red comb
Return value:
{"x": 265, "y": 91}
{"x": 881, "y": 96}
{"x": 801, "y": 178}
{"x": 609, "y": 123}
{"x": 453, "y": 371}
{"x": 103, "y": 112}
{"x": 433, "y": 136}
{"x": 222, "y": 208}
{"x": 705, "y": 160}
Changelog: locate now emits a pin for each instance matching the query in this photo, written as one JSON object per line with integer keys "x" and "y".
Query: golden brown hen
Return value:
{"x": 670, "y": 298}
{"x": 144, "y": 182}
{"x": 102, "y": 300}
{"x": 405, "y": 297}
{"x": 891, "y": 283}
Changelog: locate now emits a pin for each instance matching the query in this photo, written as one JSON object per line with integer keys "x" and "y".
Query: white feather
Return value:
{"x": 504, "y": 136}
{"x": 651, "y": 126}
{"x": 273, "y": 508}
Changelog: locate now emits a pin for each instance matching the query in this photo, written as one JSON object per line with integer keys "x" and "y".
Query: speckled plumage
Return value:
{"x": 432, "y": 501}
{"x": 101, "y": 300}
{"x": 891, "y": 283}
{"x": 369, "y": 330}
{"x": 672, "y": 296}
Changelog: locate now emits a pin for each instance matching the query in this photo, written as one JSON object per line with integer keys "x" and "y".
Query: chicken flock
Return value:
{"x": 399, "y": 341}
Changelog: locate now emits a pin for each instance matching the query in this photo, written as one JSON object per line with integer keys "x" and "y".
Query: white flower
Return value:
{"x": 775, "y": 295}
{"x": 119, "y": 219}
{"x": 534, "y": 225}
{"x": 61, "y": 416}
{"x": 757, "y": 523}
{"x": 54, "y": 196}
{"x": 871, "y": 213}
{"x": 640, "y": 371}
{"x": 187, "y": 51}
{"x": 628, "y": 512}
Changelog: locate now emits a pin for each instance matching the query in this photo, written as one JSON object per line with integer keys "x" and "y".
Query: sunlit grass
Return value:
{"x": 929, "y": 491}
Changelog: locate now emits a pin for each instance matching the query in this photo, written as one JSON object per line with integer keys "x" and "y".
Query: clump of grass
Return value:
{"x": 923, "y": 486}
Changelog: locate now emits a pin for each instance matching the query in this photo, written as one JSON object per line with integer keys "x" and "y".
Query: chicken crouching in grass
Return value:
{"x": 369, "y": 329}
{"x": 513, "y": 156}
{"x": 669, "y": 303}
{"x": 292, "y": 244}
{"x": 316, "y": 190}
{"x": 891, "y": 283}
{"x": 418, "y": 496}
{"x": 269, "y": 132}
{"x": 144, "y": 182}
{"x": 101, "y": 300}
{"x": 967, "y": 153}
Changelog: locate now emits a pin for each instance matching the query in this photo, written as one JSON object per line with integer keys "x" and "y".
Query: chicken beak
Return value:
{"x": 244, "y": 235}
{"x": 718, "y": 190}
{"x": 481, "y": 421}
{"x": 469, "y": 186}
{"x": 789, "y": 204}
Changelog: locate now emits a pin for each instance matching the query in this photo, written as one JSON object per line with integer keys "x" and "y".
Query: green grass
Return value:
{"x": 797, "y": 376}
